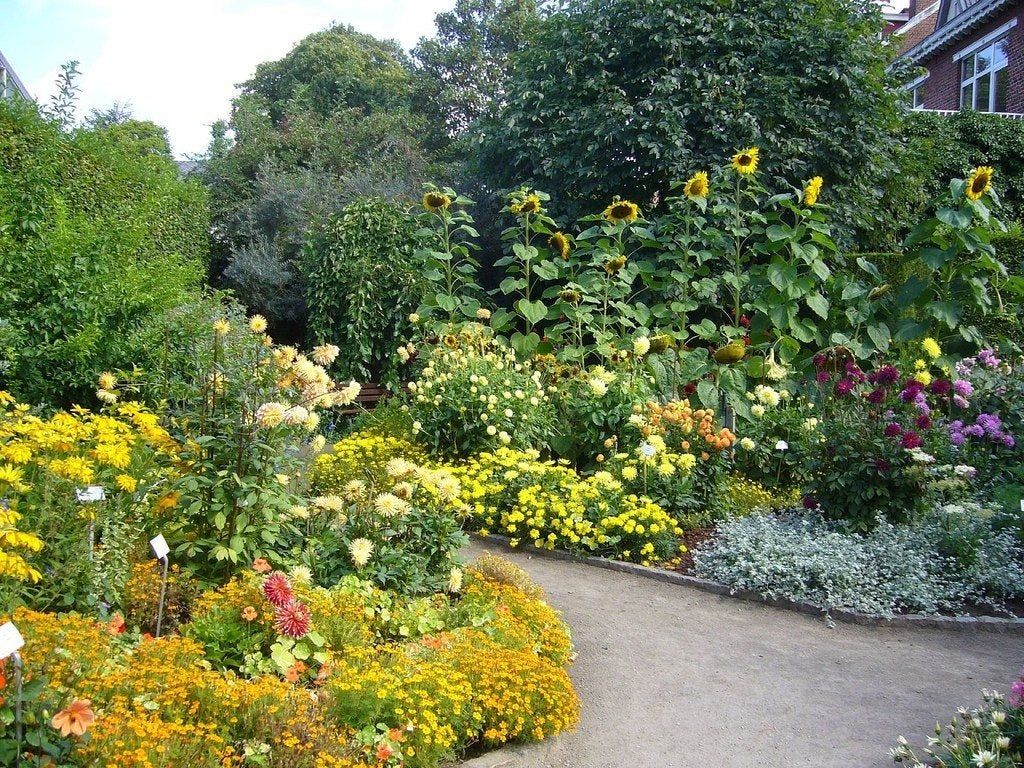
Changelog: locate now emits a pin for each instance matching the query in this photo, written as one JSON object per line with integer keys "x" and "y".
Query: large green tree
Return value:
{"x": 329, "y": 122}
{"x": 627, "y": 96}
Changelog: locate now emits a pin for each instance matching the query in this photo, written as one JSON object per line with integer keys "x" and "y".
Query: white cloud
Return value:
{"x": 178, "y": 63}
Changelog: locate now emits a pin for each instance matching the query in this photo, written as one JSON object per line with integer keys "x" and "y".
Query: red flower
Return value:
{"x": 384, "y": 752}
{"x": 292, "y": 619}
{"x": 744, "y": 321}
{"x": 116, "y": 625}
{"x": 924, "y": 421}
{"x": 277, "y": 589}
{"x": 911, "y": 440}
{"x": 893, "y": 430}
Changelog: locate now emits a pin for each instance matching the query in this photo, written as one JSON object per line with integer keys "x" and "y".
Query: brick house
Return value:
{"x": 973, "y": 51}
{"x": 10, "y": 83}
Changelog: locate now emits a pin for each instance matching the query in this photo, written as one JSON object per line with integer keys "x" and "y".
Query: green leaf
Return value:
{"x": 533, "y": 311}
{"x": 818, "y": 304}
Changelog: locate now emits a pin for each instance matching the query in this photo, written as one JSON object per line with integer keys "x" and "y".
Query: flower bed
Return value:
{"x": 276, "y": 667}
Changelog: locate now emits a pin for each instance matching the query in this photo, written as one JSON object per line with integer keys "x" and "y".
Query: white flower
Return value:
{"x": 416, "y": 427}
{"x": 984, "y": 758}
{"x": 390, "y": 505}
{"x": 920, "y": 456}
{"x": 747, "y": 444}
{"x": 270, "y": 414}
{"x": 505, "y": 437}
{"x": 403, "y": 354}
{"x": 361, "y": 551}
{"x": 810, "y": 424}
{"x": 998, "y": 717}
{"x": 598, "y": 386}
{"x": 302, "y": 575}
{"x": 647, "y": 450}
{"x": 781, "y": 445}
{"x": 414, "y": 318}
{"x": 317, "y": 444}
{"x": 325, "y": 354}
{"x": 492, "y": 430}
{"x": 295, "y": 415}
{"x": 757, "y": 411}
{"x": 455, "y": 580}
{"x": 483, "y": 314}
{"x": 1003, "y": 742}
{"x": 767, "y": 395}
{"x": 329, "y": 503}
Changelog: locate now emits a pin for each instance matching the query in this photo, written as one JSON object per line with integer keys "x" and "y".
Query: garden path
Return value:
{"x": 672, "y": 677}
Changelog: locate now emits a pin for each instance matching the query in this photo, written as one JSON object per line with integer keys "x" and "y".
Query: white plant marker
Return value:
{"x": 11, "y": 643}
{"x": 161, "y": 550}
{"x": 91, "y": 495}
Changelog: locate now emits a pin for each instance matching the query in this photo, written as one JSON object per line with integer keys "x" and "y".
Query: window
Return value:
{"x": 984, "y": 77}
{"x": 918, "y": 96}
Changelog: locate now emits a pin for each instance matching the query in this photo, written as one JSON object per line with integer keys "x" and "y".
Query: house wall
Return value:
{"x": 942, "y": 88}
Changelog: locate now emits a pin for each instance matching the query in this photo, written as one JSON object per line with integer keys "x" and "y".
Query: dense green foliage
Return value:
{"x": 362, "y": 285}
{"x": 627, "y": 96}
{"x": 99, "y": 241}
{"x": 329, "y": 122}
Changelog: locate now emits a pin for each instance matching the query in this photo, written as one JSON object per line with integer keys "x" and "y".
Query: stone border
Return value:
{"x": 966, "y": 623}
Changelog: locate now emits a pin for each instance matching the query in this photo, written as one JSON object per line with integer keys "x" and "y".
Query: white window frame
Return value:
{"x": 989, "y": 43}
{"x": 915, "y": 86}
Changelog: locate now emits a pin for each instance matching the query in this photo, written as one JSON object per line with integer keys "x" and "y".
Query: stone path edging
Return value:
{"x": 966, "y": 623}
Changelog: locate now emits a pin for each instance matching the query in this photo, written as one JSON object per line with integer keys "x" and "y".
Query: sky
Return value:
{"x": 177, "y": 63}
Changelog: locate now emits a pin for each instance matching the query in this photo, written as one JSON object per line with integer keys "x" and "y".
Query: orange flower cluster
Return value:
{"x": 691, "y": 429}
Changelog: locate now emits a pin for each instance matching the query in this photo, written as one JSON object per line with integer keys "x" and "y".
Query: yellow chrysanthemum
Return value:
{"x": 697, "y": 187}
{"x": 622, "y": 211}
{"x": 812, "y": 190}
{"x": 436, "y": 201}
{"x": 979, "y": 182}
{"x": 258, "y": 324}
{"x": 931, "y": 348}
{"x": 222, "y": 327}
{"x": 744, "y": 162}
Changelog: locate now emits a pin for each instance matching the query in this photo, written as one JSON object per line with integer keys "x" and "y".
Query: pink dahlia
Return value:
{"x": 292, "y": 619}
{"x": 277, "y": 589}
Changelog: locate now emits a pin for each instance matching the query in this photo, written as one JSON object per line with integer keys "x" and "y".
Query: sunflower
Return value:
{"x": 697, "y": 187}
{"x": 435, "y": 201}
{"x": 560, "y": 244}
{"x": 622, "y": 211}
{"x": 529, "y": 204}
{"x": 979, "y": 182}
{"x": 613, "y": 265}
{"x": 744, "y": 162}
{"x": 812, "y": 190}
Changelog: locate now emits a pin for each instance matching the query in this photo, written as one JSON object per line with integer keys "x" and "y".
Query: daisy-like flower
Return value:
{"x": 745, "y": 161}
{"x": 812, "y": 190}
{"x": 436, "y": 201}
{"x": 276, "y": 589}
{"x": 329, "y": 503}
{"x": 75, "y": 719}
{"x": 931, "y": 348}
{"x": 325, "y": 354}
{"x": 249, "y": 613}
{"x": 455, "y": 580}
{"x": 106, "y": 396}
{"x": 270, "y": 415}
{"x": 641, "y": 346}
{"x": 561, "y": 244}
{"x": 301, "y": 574}
{"x": 361, "y": 550}
{"x": 979, "y": 182}
{"x": 292, "y": 619}
{"x": 260, "y": 565}
{"x": 258, "y": 324}
{"x": 697, "y": 187}
{"x": 622, "y": 212}
{"x": 529, "y": 204}
{"x": 126, "y": 483}
{"x": 483, "y": 314}
{"x": 399, "y": 468}
{"x": 107, "y": 380}
{"x": 614, "y": 264}
{"x": 221, "y": 327}
{"x": 353, "y": 490}
{"x": 390, "y": 505}
{"x": 295, "y": 415}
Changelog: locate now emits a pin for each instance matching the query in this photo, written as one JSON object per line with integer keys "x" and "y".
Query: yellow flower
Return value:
{"x": 744, "y": 162}
{"x": 107, "y": 380}
{"x": 931, "y": 348}
{"x": 257, "y": 324}
{"x": 529, "y": 204}
{"x": 622, "y": 211}
{"x": 127, "y": 483}
{"x": 697, "y": 187}
{"x": 979, "y": 182}
{"x": 435, "y": 201}
{"x": 812, "y": 190}
{"x": 221, "y": 327}
{"x": 560, "y": 244}
{"x": 361, "y": 551}
{"x": 924, "y": 377}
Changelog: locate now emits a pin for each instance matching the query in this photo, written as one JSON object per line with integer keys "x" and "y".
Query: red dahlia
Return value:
{"x": 277, "y": 589}
{"x": 292, "y": 619}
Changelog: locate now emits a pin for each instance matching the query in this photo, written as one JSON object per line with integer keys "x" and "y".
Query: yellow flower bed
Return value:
{"x": 494, "y": 672}
{"x": 361, "y": 456}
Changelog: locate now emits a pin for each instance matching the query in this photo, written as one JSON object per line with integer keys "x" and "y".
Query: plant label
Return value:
{"x": 11, "y": 640}
{"x": 160, "y": 548}
{"x": 91, "y": 494}
{"x": 1022, "y": 505}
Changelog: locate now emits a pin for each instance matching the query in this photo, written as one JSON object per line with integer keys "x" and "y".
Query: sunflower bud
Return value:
{"x": 732, "y": 352}
{"x": 613, "y": 265}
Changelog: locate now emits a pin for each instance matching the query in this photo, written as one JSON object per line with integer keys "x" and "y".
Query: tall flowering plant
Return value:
{"x": 246, "y": 419}
{"x": 878, "y": 440}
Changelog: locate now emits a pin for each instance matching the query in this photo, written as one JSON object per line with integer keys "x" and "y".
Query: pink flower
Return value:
{"x": 277, "y": 589}
{"x": 911, "y": 440}
{"x": 292, "y": 619}
{"x": 893, "y": 430}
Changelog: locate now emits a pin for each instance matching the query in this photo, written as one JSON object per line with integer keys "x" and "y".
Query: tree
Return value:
{"x": 627, "y": 96}
{"x": 329, "y": 122}
{"x": 465, "y": 66}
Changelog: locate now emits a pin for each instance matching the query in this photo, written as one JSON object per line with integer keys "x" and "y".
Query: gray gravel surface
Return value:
{"x": 671, "y": 677}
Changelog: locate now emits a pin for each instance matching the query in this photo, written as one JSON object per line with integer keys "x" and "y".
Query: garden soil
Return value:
{"x": 672, "y": 677}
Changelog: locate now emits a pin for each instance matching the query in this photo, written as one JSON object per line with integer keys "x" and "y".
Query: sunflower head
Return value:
{"x": 560, "y": 244}
{"x": 744, "y": 162}
{"x": 622, "y": 211}
{"x": 979, "y": 182}
{"x": 697, "y": 187}
{"x": 570, "y": 296}
{"x": 436, "y": 201}
{"x": 812, "y": 190}
{"x": 614, "y": 264}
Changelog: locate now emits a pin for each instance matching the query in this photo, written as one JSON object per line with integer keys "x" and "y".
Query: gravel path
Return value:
{"x": 672, "y": 677}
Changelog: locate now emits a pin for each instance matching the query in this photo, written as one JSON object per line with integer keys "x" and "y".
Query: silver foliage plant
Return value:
{"x": 945, "y": 564}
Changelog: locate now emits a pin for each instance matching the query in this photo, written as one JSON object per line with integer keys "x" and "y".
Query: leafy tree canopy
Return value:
{"x": 627, "y": 96}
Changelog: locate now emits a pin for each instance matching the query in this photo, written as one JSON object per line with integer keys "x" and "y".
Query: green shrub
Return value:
{"x": 361, "y": 286}
{"x": 98, "y": 243}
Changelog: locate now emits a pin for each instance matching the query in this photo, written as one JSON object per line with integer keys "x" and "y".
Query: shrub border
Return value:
{"x": 963, "y": 623}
